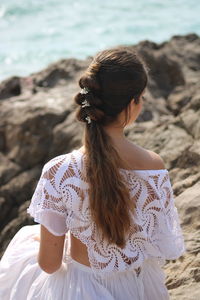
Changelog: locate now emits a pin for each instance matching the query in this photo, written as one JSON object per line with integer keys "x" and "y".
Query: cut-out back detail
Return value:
{"x": 60, "y": 202}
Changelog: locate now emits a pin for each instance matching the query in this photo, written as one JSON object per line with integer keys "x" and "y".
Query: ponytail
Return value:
{"x": 109, "y": 197}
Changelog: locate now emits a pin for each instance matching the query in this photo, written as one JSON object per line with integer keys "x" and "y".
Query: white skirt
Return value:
{"x": 21, "y": 278}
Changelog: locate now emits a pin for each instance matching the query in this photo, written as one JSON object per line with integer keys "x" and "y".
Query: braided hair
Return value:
{"x": 113, "y": 79}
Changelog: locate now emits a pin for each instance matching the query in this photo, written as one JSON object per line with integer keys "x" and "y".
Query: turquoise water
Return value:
{"x": 34, "y": 33}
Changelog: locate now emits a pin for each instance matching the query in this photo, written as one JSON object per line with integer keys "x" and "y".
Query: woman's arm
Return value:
{"x": 51, "y": 251}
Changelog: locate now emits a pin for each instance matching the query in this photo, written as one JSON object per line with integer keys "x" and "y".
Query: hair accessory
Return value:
{"x": 88, "y": 119}
{"x": 84, "y": 90}
{"x": 85, "y": 103}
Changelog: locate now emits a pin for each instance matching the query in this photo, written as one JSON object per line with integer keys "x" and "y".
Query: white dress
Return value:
{"x": 60, "y": 203}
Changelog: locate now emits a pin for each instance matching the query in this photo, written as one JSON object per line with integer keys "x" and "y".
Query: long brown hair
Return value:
{"x": 113, "y": 79}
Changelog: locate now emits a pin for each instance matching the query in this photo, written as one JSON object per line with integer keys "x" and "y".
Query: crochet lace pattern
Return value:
{"x": 60, "y": 202}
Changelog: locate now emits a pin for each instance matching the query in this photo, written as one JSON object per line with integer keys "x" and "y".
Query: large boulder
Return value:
{"x": 183, "y": 276}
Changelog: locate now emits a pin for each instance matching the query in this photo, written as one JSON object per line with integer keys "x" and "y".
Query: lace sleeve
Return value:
{"x": 170, "y": 235}
{"x": 47, "y": 206}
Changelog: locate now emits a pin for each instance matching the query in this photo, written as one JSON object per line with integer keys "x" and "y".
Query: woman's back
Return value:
{"x": 137, "y": 158}
{"x": 154, "y": 232}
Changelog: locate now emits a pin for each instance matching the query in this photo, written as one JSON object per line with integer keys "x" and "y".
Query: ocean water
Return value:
{"x": 34, "y": 33}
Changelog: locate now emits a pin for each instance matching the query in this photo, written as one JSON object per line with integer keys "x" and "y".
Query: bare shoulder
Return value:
{"x": 156, "y": 160}
{"x": 147, "y": 159}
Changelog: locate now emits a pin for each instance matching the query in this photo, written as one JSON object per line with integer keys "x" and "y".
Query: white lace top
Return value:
{"x": 60, "y": 203}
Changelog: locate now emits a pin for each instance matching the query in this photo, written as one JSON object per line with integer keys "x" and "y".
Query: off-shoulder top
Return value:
{"x": 60, "y": 202}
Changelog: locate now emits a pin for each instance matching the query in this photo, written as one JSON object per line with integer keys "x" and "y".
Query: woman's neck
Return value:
{"x": 118, "y": 137}
{"x": 116, "y": 133}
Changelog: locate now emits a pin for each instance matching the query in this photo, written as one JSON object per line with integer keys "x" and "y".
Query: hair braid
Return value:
{"x": 114, "y": 78}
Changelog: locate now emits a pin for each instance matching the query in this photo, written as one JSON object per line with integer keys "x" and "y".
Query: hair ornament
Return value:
{"x": 88, "y": 119}
{"x": 85, "y": 103}
{"x": 84, "y": 90}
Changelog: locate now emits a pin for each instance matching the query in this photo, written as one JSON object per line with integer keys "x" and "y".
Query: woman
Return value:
{"x": 106, "y": 210}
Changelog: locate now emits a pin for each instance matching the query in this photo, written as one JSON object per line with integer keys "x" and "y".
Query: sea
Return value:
{"x": 35, "y": 33}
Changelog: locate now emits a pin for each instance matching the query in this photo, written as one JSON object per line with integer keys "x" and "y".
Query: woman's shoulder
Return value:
{"x": 66, "y": 166}
{"x": 156, "y": 160}
{"x": 149, "y": 159}
{"x": 57, "y": 161}
{"x": 62, "y": 163}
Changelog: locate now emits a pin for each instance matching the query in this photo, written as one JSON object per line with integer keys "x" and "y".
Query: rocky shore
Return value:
{"x": 37, "y": 123}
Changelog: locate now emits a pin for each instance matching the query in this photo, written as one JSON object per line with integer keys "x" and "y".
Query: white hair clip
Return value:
{"x": 84, "y": 90}
{"x": 85, "y": 103}
{"x": 88, "y": 119}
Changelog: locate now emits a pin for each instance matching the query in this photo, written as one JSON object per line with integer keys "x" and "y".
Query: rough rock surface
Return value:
{"x": 37, "y": 123}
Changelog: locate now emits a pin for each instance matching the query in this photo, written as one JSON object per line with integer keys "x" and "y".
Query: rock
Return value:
{"x": 10, "y": 87}
{"x": 12, "y": 227}
{"x": 189, "y": 208}
{"x": 16, "y": 192}
{"x": 64, "y": 69}
{"x": 21, "y": 186}
{"x": 5, "y": 208}
{"x": 191, "y": 122}
{"x": 167, "y": 139}
{"x": 185, "y": 183}
{"x": 184, "y": 275}
{"x": 8, "y": 169}
{"x": 186, "y": 51}
{"x": 165, "y": 73}
{"x": 178, "y": 99}
{"x": 29, "y": 127}
{"x": 66, "y": 136}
